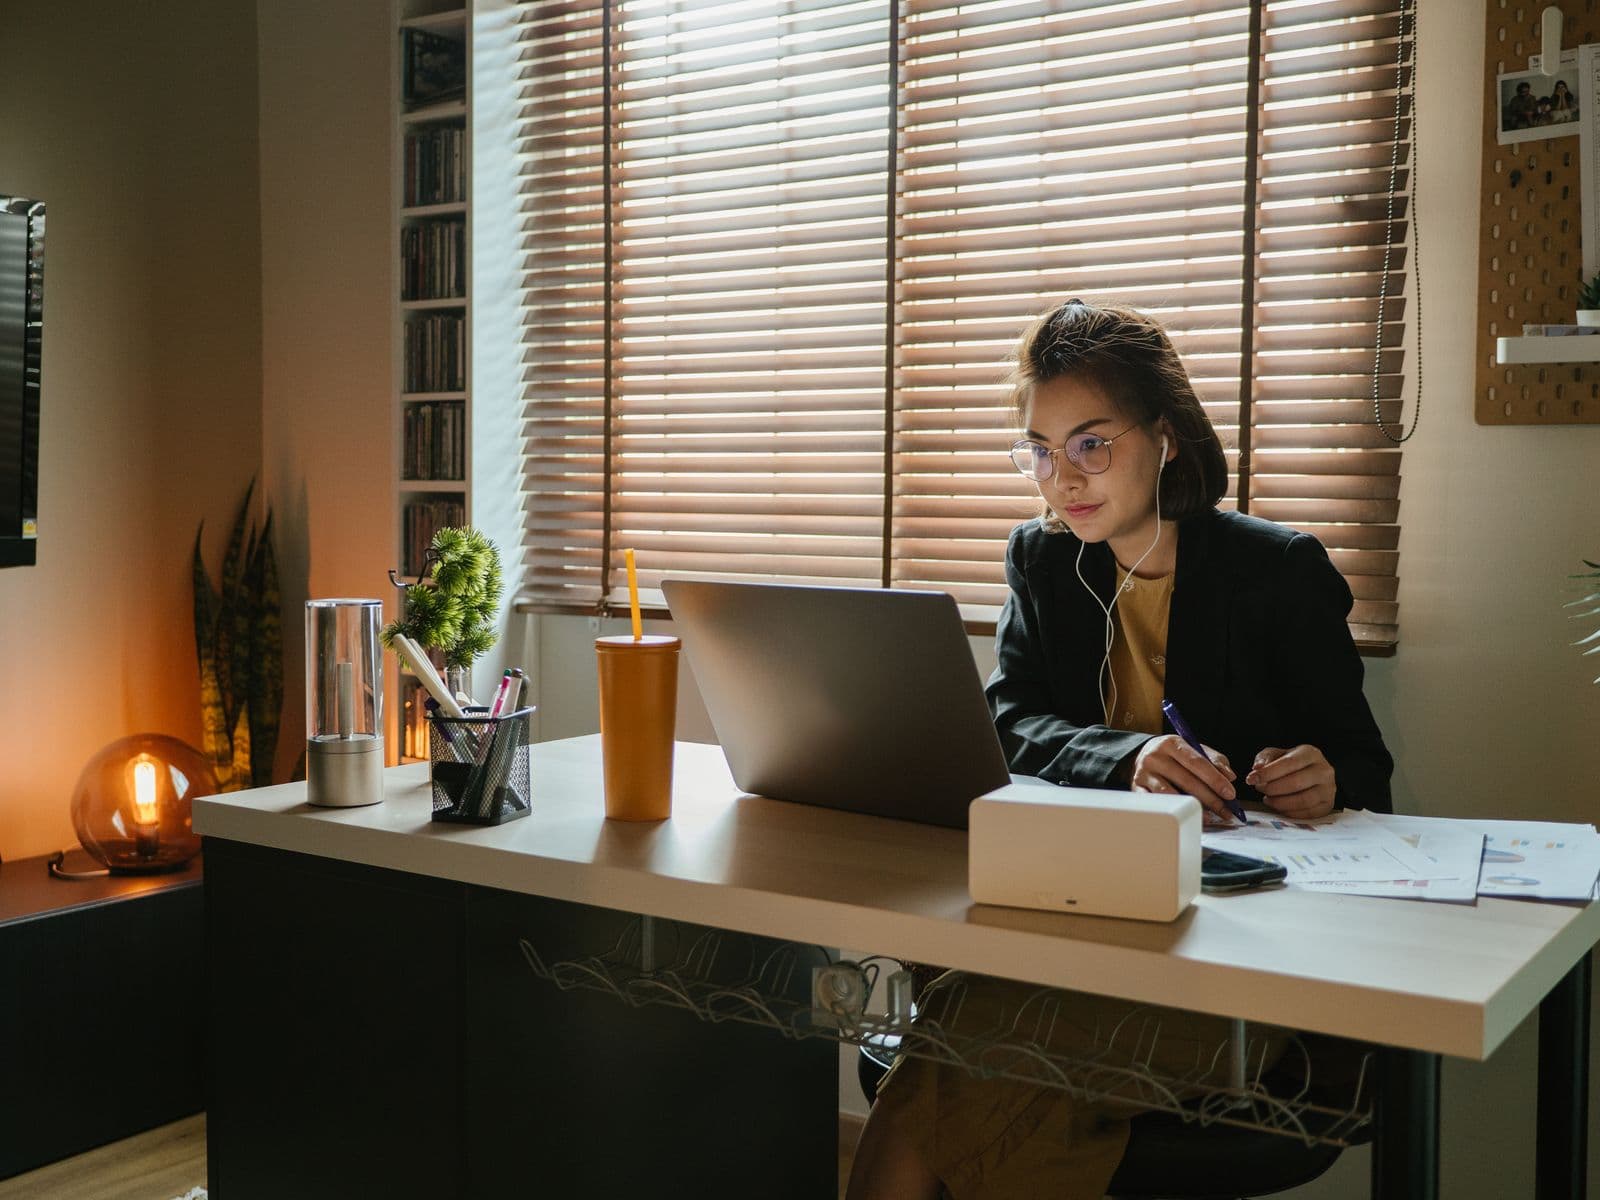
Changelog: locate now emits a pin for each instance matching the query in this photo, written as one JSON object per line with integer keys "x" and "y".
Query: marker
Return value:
{"x": 500, "y": 694}
{"x": 1181, "y": 728}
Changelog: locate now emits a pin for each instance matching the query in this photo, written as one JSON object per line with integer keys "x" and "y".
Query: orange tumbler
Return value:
{"x": 638, "y": 714}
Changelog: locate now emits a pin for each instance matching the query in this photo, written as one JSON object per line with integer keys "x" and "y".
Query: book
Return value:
{"x": 433, "y": 68}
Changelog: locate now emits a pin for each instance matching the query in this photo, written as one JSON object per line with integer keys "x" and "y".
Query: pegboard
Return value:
{"x": 1530, "y": 257}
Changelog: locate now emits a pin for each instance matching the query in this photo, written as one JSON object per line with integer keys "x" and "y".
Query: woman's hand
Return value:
{"x": 1297, "y": 783}
{"x": 1168, "y": 764}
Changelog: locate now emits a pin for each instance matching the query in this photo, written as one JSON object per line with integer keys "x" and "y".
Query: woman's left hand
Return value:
{"x": 1296, "y": 783}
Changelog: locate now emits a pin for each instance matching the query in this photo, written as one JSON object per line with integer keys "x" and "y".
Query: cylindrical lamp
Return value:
{"x": 130, "y": 807}
{"x": 344, "y": 703}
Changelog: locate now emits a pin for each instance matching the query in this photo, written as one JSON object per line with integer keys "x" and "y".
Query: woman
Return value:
{"x": 1131, "y": 587}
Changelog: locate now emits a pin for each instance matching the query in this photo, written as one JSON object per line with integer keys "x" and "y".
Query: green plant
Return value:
{"x": 1589, "y": 293}
{"x": 238, "y": 639}
{"x": 1593, "y": 598}
{"x": 454, "y": 611}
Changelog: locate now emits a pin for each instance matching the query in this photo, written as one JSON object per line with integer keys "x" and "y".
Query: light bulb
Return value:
{"x": 146, "y": 818}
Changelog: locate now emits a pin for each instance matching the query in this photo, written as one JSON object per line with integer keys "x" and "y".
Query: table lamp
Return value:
{"x": 130, "y": 807}
{"x": 344, "y": 703}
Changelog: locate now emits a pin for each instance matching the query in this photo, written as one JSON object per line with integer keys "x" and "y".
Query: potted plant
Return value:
{"x": 1589, "y": 302}
{"x": 238, "y": 641}
{"x": 451, "y": 609}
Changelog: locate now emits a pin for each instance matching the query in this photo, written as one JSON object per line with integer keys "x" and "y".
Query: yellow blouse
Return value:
{"x": 1139, "y": 652}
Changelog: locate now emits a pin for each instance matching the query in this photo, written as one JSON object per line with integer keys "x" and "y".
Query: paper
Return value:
{"x": 1342, "y": 848}
{"x": 1540, "y": 859}
{"x": 1455, "y": 850}
{"x": 1424, "y": 858}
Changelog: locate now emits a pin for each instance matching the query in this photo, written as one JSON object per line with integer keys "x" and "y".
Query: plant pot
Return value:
{"x": 1589, "y": 317}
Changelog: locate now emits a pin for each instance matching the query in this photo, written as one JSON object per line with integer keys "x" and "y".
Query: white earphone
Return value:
{"x": 1108, "y": 704}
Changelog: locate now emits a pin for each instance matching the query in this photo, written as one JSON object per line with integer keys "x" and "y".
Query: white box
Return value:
{"x": 1085, "y": 850}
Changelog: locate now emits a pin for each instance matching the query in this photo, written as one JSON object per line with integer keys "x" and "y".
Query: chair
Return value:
{"x": 1170, "y": 1159}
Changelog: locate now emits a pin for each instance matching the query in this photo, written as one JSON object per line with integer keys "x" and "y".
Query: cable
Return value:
{"x": 1107, "y": 707}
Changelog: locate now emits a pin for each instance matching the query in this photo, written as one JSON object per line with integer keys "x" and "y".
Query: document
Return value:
{"x": 1423, "y": 858}
{"x": 1540, "y": 859}
{"x": 1345, "y": 847}
{"x": 1455, "y": 849}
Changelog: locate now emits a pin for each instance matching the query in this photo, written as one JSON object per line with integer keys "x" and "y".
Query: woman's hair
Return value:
{"x": 1128, "y": 356}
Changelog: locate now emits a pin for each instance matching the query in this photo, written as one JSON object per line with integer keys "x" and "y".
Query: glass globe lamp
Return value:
{"x": 130, "y": 807}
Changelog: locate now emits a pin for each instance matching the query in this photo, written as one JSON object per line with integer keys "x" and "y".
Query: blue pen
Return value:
{"x": 1181, "y": 728}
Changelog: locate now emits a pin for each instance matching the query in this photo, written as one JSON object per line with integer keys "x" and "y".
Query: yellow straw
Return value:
{"x": 633, "y": 595}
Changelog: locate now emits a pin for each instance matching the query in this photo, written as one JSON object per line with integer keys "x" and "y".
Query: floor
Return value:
{"x": 158, "y": 1165}
{"x": 165, "y": 1163}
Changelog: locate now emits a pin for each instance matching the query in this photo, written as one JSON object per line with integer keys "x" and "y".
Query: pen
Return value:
{"x": 1181, "y": 728}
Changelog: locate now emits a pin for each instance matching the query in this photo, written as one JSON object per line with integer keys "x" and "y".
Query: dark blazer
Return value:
{"x": 1258, "y": 654}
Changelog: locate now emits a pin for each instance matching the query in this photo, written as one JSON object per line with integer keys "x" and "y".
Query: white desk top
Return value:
{"x": 1451, "y": 979}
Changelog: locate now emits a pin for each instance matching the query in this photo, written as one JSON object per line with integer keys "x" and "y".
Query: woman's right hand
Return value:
{"x": 1167, "y": 764}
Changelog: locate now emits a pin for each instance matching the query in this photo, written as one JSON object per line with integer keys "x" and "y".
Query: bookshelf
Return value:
{"x": 432, "y": 201}
{"x": 457, "y": 355}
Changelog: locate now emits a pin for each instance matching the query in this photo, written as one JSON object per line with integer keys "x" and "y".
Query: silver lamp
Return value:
{"x": 344, "y": 703}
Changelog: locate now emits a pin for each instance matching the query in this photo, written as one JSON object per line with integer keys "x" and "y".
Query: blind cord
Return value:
{"x": 1413, "y": 155}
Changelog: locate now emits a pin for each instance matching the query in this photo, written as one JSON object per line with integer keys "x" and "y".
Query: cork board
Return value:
{"x": 1530, "y": 256}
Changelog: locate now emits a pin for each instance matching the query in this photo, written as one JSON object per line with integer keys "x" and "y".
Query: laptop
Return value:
{"x": 862, "y": 699}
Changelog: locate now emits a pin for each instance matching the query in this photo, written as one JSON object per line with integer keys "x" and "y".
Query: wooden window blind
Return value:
{"x": 777, "y": 253}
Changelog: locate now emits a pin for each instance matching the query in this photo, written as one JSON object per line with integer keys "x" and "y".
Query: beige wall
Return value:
{"x": 136, "y": 124}
{"x": 326, "y": 297}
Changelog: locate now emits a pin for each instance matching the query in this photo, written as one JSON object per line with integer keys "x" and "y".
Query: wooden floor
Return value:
{"x": 165, "y": 1163}
{"x": 159, "y": 1165}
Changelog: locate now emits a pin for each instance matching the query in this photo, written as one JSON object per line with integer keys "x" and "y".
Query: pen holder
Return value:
{"x": 479, "y": 767}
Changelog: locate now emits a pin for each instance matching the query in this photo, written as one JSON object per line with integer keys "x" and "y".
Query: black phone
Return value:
{"x": 1221, "y": 871}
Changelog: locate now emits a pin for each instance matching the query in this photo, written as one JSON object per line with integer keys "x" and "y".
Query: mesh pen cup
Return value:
{"x": 478, "y": 766}
{"x": 344, "y": 703}
{"x": 638, "y": 715}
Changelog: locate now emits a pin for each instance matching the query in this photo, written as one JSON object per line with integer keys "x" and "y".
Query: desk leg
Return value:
{"x": 1405, "y": 1144}
{"x": 1562, "y": 1148}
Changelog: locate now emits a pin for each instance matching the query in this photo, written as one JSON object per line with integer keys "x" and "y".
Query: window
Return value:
{"x": 776, "y": 254}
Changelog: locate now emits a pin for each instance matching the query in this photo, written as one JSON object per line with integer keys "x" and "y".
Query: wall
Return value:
{"x": 1488, "y": 709}
{"x": 327, "y": 289}
{"x": 136, "y": 125}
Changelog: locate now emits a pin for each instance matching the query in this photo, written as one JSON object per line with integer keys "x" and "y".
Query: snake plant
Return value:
{"x": 1593, "y": 601}
{"x": 238, "y": 637}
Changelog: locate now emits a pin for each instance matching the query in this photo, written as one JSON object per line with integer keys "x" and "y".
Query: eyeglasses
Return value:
{"x": 1089, "y": 452}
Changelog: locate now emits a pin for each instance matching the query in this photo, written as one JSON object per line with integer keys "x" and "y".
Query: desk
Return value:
{"x": 1422, "y": 979}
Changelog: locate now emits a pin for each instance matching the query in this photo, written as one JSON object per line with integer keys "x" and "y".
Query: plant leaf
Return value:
{"x": 240, "y": 607}
{"x": 205, "y": 601}
{"x": 239, "y": 767}
{"x": 1589, "y": 599}
{"x": 227, "y": 621}
{"x": 266, "y": 658}
{"x": 1586, "y": 640}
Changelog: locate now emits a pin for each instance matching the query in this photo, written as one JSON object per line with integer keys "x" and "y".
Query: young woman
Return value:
{"x": 1129, "y": 588}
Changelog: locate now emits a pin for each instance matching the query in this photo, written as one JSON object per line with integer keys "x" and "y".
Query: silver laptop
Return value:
{"x": 862, "y": 699}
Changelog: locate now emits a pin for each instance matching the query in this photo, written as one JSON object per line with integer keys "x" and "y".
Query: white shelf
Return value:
{"x": 446, "y": 302}
{"x": 1578, "y": 348}
{"x": 435, "y": 112}
{"x": 452, "y": 18}
{"x": 425, "y": 397}
{"x": 459, "y": 208}
{"x": 433, "y": 485}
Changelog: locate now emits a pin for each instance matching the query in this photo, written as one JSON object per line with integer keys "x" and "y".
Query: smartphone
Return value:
{"x": 1221, "y": 871}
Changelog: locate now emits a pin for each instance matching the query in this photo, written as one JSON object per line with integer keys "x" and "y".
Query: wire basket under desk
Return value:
{"x": 719, "y": 976}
